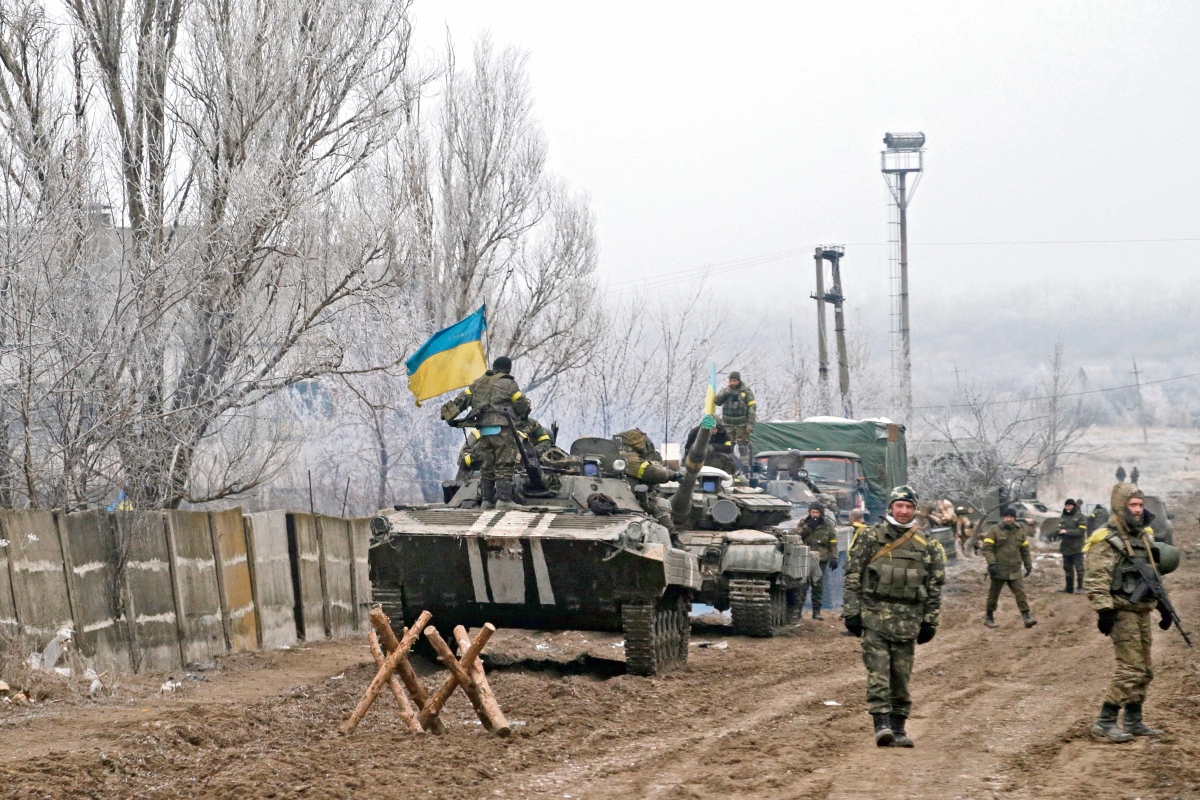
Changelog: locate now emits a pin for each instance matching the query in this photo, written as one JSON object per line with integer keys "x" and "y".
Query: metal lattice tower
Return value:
{"x": 905, "y": 155}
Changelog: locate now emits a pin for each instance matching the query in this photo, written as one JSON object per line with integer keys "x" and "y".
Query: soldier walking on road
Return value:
{"x": 489, "y": 398}
{"x": 1120, "y": 473}
{"x": 1006, "y": 549}
{"x": 857, "y": 523}
{"x": 893, "y": 592}
{"x": 739, "y": 412}
{"x": 1072, "y": 531}
{"x": 1110, "y": 580}
{"x": 817, "y": 531}
{"x": 1134, "y": 475}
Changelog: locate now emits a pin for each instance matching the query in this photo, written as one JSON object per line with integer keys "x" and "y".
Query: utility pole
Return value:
{"x": 904, "y": 154}
{"x": 1137, "y": 379}
{"x": 833, "y": 254}
{"x": 822, "y": 349}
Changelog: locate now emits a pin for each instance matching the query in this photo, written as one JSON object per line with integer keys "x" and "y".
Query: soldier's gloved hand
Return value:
{"x": 676, "y": 475}
{"x": 1105, "y": 619}
{"x": 833, "y": 565}
{"x": 926, "y": 633}
{"x": 854, "y": 624}
{"x": 1028, "y": 571}
{"x": 1165, "y": 622}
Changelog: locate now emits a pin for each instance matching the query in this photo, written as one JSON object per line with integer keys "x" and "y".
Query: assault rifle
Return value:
{"x": 1149, "y": 583}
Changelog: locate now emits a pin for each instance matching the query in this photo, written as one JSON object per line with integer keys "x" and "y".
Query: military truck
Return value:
{"x": 747, "y": 564}
{"x": 876, "y": 448}
{"x": 793, "y": 474}
{"x": 581, "y": 554}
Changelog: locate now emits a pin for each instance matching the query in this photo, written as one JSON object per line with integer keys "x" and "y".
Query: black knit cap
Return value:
{"x": 502, "y": 364}
{"x": 1009, "y": 512}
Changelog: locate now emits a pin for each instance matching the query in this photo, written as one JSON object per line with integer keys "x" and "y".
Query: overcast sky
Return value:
{"x": 713, "y": 133}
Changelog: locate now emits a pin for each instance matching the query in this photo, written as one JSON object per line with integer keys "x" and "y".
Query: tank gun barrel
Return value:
{"x": 681, "y": 501}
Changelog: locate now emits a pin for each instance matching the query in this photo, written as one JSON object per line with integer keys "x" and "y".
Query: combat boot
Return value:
{"x": 883, "y": 731}
{"x": 817, "y": 614}
{"x": 487, "y": 493}
{"x": 1133, "y": 722}
{"x": 990, "y": 621}
{"x": 504, "y": 495}
{"x": 1029, "y": 620}
{"x": 900, "y": 738}
{"x": 1106, "y": 724}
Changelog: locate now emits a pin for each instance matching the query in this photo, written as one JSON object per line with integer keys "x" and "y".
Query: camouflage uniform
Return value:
{"x": 488, "y": 397}
{"x": 892, "y": 604}
{"x": 643, "y": 465}
{"x": 739, "y": 412}
{"x": 1109, "y": 587}
{"x": 1006, "y": 549}
{"x": 1072, "y": 531}
{"x": 1097, "y": 519}
{"x": 532, "y": 431}
{"x": 469, "y": 456}
{"x": 821, "y": 540}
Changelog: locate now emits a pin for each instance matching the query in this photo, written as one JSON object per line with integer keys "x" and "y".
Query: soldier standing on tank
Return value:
{"x": 893, "y": 591}
{"x": 1006, "y": 549}
{"x": 643, "y": 466}
{"x": 495, "y": 401}
{"x": 1110, "y": 580}
{"x": 1072, "y": 531}
{"x": 739, "y": 412}
{"x": 818, "y": 532}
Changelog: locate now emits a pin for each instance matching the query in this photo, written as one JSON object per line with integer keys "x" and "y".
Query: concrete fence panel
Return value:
{"x": 9, "y": 624}
{"x": 197, "y": 593}
{"x": 307, "y": 557}
{"x": 149, "y": 587}
{"x": 360, "y": 545}
{"x": 39, "y": 581}
{"x": 90, "y": 554}
{"x": 271, "y": 573}
{"x": 229, "y": 539}
{"x": 338, "y": 565}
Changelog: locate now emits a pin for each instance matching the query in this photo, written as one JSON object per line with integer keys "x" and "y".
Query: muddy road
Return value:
{"x": 998, "y": 713}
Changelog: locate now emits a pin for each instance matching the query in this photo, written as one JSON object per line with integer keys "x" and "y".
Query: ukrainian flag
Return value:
{"x": 450, "y": 359}
{"x": 710, "y": 395}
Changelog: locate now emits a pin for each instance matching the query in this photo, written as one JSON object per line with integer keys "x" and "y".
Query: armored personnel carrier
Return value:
{"x": 747, "y": 565}
{"x": 581, "y": 554}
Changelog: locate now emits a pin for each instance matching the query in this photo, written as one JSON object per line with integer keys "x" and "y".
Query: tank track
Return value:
{"x": 757, "y": 607}
{"x": 656, "y": 634}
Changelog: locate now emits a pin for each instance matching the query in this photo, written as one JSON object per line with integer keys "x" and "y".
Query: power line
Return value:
{"x": 1068, "y": 394}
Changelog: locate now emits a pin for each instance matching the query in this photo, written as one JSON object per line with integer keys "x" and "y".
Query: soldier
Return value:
{"x": 489, "y": 398}
{"x": 1097, "y": 518}
{"x": 893, "y": 594}
{"x": 817, "y": 531}
{"x": 468, "y": 456}
{"x": 1006, "y": 547}
{"x": 1110, "y": 580}
{"x": 964, "y": 528}
{"x": 644, "y": 466}
{"x": 1072, "y": 531}
{"x": 857, "y": 523}
{"x": 1120, "y": 473}
{"x": 739, "y": 411}
{"x": 532, "y": 431}
{"x": 1133, "y": 476}
{"x": 720, "y": 450}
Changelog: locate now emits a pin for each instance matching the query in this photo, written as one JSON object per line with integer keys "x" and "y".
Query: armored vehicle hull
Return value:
{"x": 540, "y": 567}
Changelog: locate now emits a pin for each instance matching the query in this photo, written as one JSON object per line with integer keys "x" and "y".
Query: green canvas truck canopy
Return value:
{"x": 878, "y": 443}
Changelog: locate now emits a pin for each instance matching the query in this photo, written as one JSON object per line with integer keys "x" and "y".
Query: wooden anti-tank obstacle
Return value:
{"x": 395, "y": 672}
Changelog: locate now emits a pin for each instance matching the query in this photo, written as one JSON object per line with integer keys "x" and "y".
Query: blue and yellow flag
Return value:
{"x": 450, "y": 359}
{"x": 710, "y": 396}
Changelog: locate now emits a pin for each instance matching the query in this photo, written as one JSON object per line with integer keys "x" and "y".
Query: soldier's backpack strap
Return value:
{"x": 888, "y": 548}
{"x": 1119, "y": 544}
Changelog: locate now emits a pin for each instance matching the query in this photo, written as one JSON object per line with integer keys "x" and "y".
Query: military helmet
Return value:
{"x": 635, "y": 440}
{"x": 1166, "y": 557}
{"x": 735, "y": 376}
{"x": 906, "y": 493}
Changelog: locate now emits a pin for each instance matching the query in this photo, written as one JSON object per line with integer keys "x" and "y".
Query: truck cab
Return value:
{"x": 833, "y": 472}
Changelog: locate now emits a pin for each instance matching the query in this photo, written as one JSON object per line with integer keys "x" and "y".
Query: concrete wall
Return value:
{"x": 154, "y": 591}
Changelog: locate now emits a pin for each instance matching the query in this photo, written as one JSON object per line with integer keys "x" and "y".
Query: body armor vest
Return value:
{"x": 1125, "y": 576}
{"x": 899, "y": 576}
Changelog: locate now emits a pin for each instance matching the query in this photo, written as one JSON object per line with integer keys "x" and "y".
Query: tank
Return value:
{"x": 748, "y": 564}
{"x": 562, "y": 561}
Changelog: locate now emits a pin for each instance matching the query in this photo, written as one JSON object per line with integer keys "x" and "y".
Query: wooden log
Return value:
{"x": 406, "y": 711}
{"x": 464, "y": 679}
{"x": 451, "y": 683}
{"x": 387, "y": 639}
{"x": 499, "y": 724}
{"x": 381, "y": 677}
